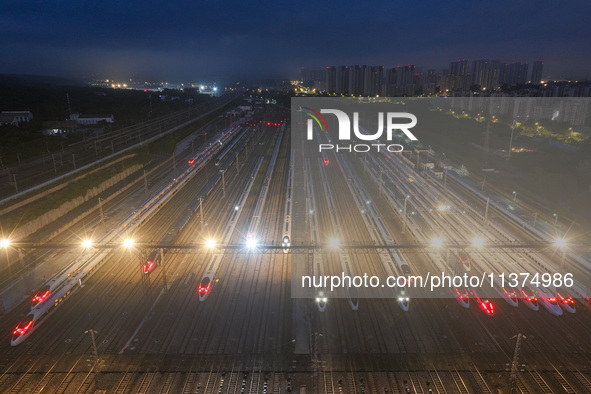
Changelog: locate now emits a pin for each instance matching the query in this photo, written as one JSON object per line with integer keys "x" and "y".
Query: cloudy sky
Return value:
{"x": 195, "y": 40}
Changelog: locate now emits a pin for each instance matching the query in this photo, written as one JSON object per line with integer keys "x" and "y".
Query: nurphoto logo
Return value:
{"x": 390, "y": 119}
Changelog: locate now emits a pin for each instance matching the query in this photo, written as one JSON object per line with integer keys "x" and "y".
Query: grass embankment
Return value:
{"x": 162, "y": 147}
{"x": 73, "y": 190}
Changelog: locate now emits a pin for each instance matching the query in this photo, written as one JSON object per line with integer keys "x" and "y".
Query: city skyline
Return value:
{"x": 183, "y": 42}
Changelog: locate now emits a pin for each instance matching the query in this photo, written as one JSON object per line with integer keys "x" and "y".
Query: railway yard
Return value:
{"x": 125, "y": 331}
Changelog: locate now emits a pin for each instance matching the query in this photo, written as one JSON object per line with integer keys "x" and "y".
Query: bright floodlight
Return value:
{"x": 251, "y": 243}
{"x": 87, "y": 243}
{"x": 437, "y": 242}
{"x": 128, "y": 243}
{"x": 4, "y": 243}
{"x": 210, "y": 243}
{"x": 478, "y": 242}
{"x": 333, "y": 243}
{"x": 560, "y": 242}
{"x": 441, "y": 208}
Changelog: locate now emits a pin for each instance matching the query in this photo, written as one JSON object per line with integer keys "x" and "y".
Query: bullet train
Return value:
{"x": 463, "y": 297}
{"x": 154, "y": 260}
{"x": 50, "y": 296}
{"x": 565, "y": 300}
{"x": 511, "y": 295}
{"x": 44, "y": 293}
{"x": 529, "y": 298}
{"x": 548, "y": 301}
{"x": 484, "y": 303}
{"x": 286, "y": 238}
{"x": 465, "y": 259}
{"x": 42, "y": 311}
{"x": 353, "y": 297}
{"x": 223, "y": 155}
{"x": 321, "y": 300}
{"x": 204, "y": 288}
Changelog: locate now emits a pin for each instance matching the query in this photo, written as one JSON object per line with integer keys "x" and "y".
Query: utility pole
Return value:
{"x": 74, "y": 160}
{"x": 163, "y": 269}
{"x": 563, "y": 259}
{"x": 486, "y": 139}
{"x": 237, "y": 165}
{"x": 15, "y": 186}
{"x": 514, "y": 364}
{"x": 112, "y": 147}
{"x": 201, "y": 211}
{"x": 145, "y": 181}
{"x": 54, "y": 166}
{"x": 223, "y": 184}
{"x": 101, "y": 210}
{"x": 173, "y": 161}
{"x": 95, "y": 354}
{"x": 404, "y": 216}
{"x": 486, "y": 210}
{"x": 511, "y": 140}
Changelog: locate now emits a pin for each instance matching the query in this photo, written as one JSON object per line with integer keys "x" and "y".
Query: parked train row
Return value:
{"x": 56, "y": 290}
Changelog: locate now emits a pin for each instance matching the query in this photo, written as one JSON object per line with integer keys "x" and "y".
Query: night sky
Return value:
{"x": 196, "y": 40}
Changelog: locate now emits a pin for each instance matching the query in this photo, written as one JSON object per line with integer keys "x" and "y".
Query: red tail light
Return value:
{"x": 488, "y": 307}
{"x": 22, "y": 329}
{"x": 40, "y": 297}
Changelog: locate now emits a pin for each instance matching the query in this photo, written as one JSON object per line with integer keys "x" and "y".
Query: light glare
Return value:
{"x": 478, "y": 242}
{"x": 437, "y": 242}
{"x": 251, "y": 243}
